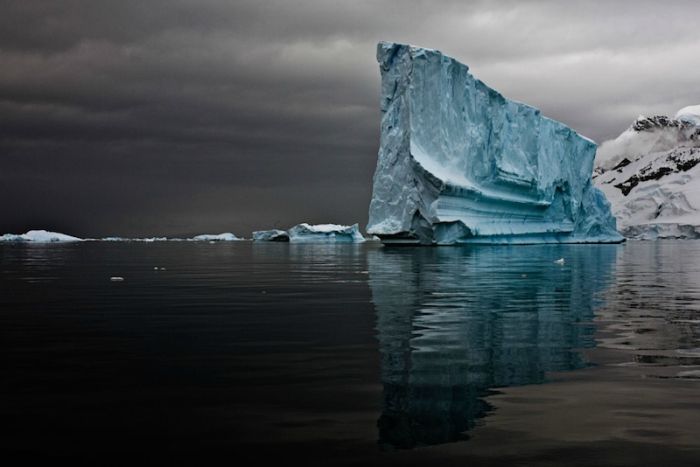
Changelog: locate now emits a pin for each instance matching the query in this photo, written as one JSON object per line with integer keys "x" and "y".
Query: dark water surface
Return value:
{"x": 244, "y": 353}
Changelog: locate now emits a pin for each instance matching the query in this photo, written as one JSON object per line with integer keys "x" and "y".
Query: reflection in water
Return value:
{"x": 653, "y": 309}
{"x": 454, "y": 322}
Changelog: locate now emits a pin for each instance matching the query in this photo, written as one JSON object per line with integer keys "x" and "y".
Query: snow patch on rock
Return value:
{"x": 651, "y": 176}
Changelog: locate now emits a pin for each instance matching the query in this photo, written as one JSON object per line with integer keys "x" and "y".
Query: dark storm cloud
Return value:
{"x": 174, "y": 117}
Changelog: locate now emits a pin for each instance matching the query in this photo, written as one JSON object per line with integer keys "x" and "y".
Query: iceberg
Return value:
{"x": 39, "y": 236}
{"x": 460, "y": 163}
{"x": 222, "y": 237}
{"x": 325, "y": 233}
{"x": 126, "y": 239}
{"x": 651, "y": 175}
{"x": 273, "y": 235}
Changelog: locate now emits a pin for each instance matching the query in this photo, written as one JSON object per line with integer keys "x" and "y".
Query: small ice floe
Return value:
{"x": 116, "y": 279}
{"x": 159, "y": 269}
{"x": 560, "y": 261}
{"x": 222, "y": 237}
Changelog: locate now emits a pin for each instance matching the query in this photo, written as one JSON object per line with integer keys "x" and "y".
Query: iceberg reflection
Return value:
{"x": 454, "y": 323}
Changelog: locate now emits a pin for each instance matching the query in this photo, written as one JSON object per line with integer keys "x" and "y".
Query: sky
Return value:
{"x": 178, "y": 117}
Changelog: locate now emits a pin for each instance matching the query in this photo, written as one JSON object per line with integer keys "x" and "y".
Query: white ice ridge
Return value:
{"x": 39, "y": 236}
{"x": 325, "y": 233}
{"x": 43, "y": 236}
{"x": 651, "y": 175}
{"x": 222, "y": 237}
{"x": 460, "y": 163}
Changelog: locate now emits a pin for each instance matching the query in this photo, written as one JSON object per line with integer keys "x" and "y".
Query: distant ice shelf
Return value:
{"x": 460, "y": 163}
{"x": 43, "y": 236}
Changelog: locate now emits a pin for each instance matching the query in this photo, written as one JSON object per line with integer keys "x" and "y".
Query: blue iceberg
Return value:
{"x": 273, "y": 235}
{"x": 460, "y": 163}
{"x": 325, "y": 233}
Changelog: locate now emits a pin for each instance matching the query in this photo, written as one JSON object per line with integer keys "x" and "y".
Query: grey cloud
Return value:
{"x": 170, "y": 117}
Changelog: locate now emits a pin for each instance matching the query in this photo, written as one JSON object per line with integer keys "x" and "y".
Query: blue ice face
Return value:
{"x": 460, "y": 163}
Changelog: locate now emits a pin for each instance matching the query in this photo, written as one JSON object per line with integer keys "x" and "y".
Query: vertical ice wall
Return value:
{"x": 460, "y": 163}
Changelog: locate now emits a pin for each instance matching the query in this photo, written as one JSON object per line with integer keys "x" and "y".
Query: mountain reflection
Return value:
{"x": 454, "y": 322}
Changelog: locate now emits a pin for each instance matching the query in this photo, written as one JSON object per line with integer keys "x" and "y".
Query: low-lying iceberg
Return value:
{"x": 273, "y": 235}
{"x": 460, "y": 163}
{"x": 325, "y": 233}
{"x": 39, "y": 236}
{"x": 222, "y": 237}
{"x": 43, "y": 236}
{"x": 125, "y": 239}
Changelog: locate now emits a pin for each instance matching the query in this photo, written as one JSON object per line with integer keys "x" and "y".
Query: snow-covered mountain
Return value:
{"x": 651, "y": 176}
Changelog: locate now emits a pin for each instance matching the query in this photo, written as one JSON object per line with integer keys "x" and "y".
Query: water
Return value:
{"x": 351, "y": 354}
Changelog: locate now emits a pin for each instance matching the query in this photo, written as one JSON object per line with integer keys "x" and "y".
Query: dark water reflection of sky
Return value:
{"x": 355, "y": 354}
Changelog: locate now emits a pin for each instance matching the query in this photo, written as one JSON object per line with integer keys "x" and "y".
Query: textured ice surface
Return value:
{"x": 651, "y": 175}
{"x": 39, "y": 236}
{"x": 273, "y": 235}
{"x": 306, "y": 233}
{"x": 460, "y": 163}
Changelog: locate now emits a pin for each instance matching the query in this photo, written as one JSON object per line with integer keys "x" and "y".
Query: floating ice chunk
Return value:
{"x": 126, "y": 239}
{"x": 273, "y": 235}
{"x": 460, "y": 163}
{"x": 325, "y": 233}
{"x": 39, "y": 236}
{"x": 222, "y": 237}
{"x": 116, "y": 279}
{"x": 560, "y": 261}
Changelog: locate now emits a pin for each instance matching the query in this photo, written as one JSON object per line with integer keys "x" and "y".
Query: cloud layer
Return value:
{"x": 176, "y": 117}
